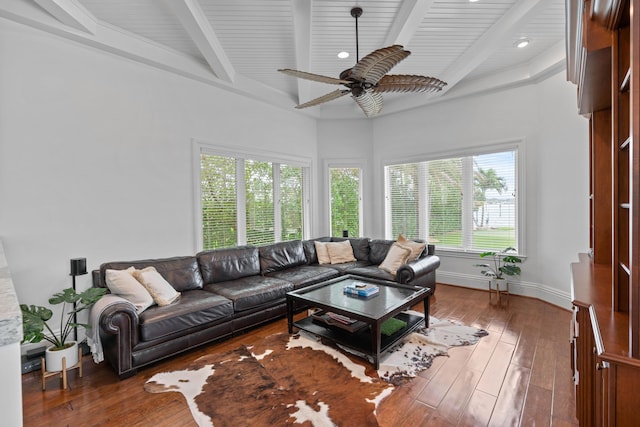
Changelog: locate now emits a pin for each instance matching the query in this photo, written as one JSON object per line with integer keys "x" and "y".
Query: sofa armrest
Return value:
{"x": 119, "y": 335}
{"x": 413, "y": 270}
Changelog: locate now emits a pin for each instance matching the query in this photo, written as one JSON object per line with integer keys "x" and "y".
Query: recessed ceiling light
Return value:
{"x": 343, "y": 55}
{"x": 472, "y": 1}
{"x": 522, "y": 42}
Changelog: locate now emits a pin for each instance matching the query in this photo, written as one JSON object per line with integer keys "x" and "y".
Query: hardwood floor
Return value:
{"x": 520, "y": 374}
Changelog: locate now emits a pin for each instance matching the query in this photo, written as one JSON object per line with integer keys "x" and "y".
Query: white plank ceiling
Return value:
{"x": 238, "y": 45}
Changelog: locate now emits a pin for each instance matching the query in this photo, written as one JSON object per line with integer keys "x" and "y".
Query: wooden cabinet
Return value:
{"x": 604, "y": 373}
{"x": 604, "y": 61}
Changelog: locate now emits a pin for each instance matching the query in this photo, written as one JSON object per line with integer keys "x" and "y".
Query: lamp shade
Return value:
{"x": 78, "y": 266}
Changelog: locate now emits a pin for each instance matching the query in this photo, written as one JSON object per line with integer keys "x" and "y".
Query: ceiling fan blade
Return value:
{"x": 314, "y": 77}
{"x": 370, "y": 102}
{"x": 408, "y": 83}
{"x": 374, "y": 66}
{"x": 325, "y": 98}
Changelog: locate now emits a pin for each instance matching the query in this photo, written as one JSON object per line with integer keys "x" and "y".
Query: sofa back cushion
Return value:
{"x": 280, "y": 256}
{"x": 181, "y": 272}
{"x": 378, "y": 249}
{"x": 360, "y": 246}
{"x": 221, "y": 265}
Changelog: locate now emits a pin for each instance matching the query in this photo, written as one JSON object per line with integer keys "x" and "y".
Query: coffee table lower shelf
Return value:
{"x": 362, "y": 341}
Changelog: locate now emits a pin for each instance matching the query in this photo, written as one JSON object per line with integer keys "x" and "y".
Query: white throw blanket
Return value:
{"x": 93, "y": 335}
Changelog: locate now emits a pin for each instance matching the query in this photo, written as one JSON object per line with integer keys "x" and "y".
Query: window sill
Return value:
{"x": 453, "y": 253}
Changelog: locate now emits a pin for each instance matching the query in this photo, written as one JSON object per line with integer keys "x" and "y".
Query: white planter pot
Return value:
{"x": 53, "y": 358}
{"x": 498, "y": 284}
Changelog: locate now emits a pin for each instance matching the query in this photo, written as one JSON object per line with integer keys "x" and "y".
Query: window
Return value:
{"x": 250, "y": 200}
{"x": 459, "y": 203}
{"x": 345, "y": 185}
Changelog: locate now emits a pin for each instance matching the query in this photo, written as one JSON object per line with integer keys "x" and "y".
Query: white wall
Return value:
{"x": 555, "y": 138}
{"x": 96, "y": 155}
{"x": 350, "y": 142}
{"x": 95, "y": 160}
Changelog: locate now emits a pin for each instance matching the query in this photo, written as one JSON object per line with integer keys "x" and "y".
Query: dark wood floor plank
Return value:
{"x": 482, "y": 352}
{"x": 511, "y": 398}
{"x": 455, "y": 401}
{"x": 446, "y": 376}
{"x": 478, "y": 410}
{"x": 494, "y": 374}
{"x": 543, "y": 368}
{"x": 523, "y": 335}
{"x": 537, "y": 407}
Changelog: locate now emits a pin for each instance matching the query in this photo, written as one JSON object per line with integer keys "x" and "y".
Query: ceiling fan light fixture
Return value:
{"x": 343, "y": 55}
{"x": 522, "y": 42}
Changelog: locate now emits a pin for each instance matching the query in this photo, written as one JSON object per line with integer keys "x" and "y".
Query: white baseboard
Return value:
{"x": 516, "y": 287}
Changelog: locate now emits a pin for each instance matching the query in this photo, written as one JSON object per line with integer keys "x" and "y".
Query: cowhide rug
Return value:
{"x": 285, "y": 380}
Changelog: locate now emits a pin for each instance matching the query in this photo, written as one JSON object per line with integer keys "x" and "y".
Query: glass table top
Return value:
{"x": 331, "y": 293}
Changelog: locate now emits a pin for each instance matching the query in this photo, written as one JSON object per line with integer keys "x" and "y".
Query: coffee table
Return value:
{"x": 372, "y": 312}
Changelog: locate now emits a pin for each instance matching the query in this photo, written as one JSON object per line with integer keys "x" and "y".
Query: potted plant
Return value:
{"x": 35, "y": 318}
{"x": 504, "y": 264}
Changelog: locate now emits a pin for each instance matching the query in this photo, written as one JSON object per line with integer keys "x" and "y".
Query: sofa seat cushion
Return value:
{"x": 346, "y": 267}
{"x": 251, "y": 292}
{"x": 373, "y": 272}
{"x": 194, "y": 308}
{"x": 305, "y": 275}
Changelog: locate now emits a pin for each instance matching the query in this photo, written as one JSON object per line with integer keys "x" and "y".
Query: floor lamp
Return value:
{"x": 78, "y": 268}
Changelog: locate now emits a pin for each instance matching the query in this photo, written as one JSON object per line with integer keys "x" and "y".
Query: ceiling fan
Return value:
{"x": 368, "y": 79}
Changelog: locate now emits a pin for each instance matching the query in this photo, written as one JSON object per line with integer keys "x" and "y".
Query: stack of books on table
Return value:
{"x": 361, "y": 289}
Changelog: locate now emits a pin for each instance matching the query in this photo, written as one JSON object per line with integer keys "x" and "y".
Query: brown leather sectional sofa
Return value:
{"x": 225, "y": 291}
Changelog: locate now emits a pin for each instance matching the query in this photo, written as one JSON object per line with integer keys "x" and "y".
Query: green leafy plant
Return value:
{"x": 504, "y": 263}
{"x": 35, "y": 318}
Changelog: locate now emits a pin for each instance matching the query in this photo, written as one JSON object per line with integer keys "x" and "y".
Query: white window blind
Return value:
{"x": 218, "y": 198}
{"x": 291, "y": 201}
{"x": 464, "y": 203}
{"x": 345, "y": 184}
{"x": 249, "y": 201}
{"x": 258, "y": 178}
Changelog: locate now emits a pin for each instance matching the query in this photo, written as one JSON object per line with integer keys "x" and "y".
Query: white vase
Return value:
{"x": 53, "y": 358}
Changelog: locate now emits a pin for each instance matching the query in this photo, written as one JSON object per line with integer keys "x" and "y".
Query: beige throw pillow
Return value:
{"x": 161, "y": 291}
{"x": 340, "y": 252}
{"x": 322, "y": 252}
{"x": 396, "y": 256}
{"x": 123, "y": 284}
{"x": 416, "y": 247}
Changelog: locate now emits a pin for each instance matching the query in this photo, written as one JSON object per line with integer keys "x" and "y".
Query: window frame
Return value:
{"x": 510, "y": 145}
{"x": 241, "y": 155}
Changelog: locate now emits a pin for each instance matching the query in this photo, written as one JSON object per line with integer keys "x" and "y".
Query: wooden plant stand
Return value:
{"x": 500, "y": 293}
{"x": 63, "y": 373}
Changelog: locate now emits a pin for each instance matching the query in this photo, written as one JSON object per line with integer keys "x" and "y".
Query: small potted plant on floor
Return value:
{"x": 504, "y": 264}
{"x": 35, "y": 318}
